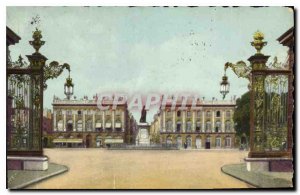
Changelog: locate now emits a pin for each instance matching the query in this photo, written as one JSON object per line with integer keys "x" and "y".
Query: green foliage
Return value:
{"x": 241, "y": 115}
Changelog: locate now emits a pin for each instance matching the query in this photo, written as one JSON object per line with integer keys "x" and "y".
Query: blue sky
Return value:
{"x": 145, "y": 49}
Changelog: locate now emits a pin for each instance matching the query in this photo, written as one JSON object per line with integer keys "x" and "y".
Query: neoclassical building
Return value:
{"x": 80, "y": 123}
{"x": 209, "y": 124}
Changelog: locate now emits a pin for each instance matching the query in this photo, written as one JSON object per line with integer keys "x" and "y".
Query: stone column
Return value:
{"x": 213, "y": 121}
{"x": 74, "y": 122}
{"x": 83, "y": 120}
{"x": 223, "y": 120}
{"x": 54, "y": 121}
{"x": 203, "y": 120}
{"x": 183, "y": 120}
{"x": 123, "y": 120}
{"x": 193, "y": 120}
{"x": 93, "y": 125}
{"x": 113, "y": 120}
{"x": 231, "y": 121}
{"x": 174, "y": 120}
{"x": 103, "y": 120}
{"x": 64, "y": 113}
{"x": 164, "y": 121}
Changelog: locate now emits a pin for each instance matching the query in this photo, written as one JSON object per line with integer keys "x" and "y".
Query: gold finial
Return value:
{"x": 37, "y": 42}
{"x": 258, "y": 42}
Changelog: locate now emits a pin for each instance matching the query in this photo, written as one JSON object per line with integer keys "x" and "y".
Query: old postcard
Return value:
{"x": 150, "y": 97}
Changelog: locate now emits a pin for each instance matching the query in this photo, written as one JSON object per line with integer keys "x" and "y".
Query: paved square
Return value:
{"x": 140, "y": 169}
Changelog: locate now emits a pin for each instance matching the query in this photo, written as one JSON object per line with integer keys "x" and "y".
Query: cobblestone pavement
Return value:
{"x": 136, "y": 169}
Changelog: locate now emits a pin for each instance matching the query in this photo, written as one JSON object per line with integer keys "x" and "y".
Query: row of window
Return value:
{"x": 198, "y": 142}
{"x": 198, "y": 114}
{"x": 89, "y": 112}
{"x": 208, "y": 126}
{"x": 88, "y": 125}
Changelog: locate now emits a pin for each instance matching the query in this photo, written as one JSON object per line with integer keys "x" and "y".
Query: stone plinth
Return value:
{"x": 143, "y": 136}
{"x": 34, "y": 163}
{"x": 269, "y": 164}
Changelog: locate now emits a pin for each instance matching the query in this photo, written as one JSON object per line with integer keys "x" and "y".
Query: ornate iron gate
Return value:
{"x": 25, "y": 84}
{"x": 270, "y": 111}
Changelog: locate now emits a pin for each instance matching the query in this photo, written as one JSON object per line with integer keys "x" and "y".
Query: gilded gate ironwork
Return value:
{"x": 25, "y": 86}
{"x": 269, "y": 104}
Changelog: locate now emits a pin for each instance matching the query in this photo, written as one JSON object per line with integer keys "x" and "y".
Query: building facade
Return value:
{"x": 80, "y": 123}
{"x": 209, "y": 124}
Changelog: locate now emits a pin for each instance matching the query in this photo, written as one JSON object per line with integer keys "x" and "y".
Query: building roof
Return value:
{"x": 287, "y": 38}
{"x": 84, "y": 102}
{"x": 11, "y": 37}
{"x": 198, "y": 102}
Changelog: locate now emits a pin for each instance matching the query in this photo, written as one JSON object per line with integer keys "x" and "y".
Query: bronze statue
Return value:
{"x": 143, "y": 115}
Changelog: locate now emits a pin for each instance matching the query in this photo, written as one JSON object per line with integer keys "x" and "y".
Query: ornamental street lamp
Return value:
{"x": 69, "y": 87}
{"x": 224, "y": 85}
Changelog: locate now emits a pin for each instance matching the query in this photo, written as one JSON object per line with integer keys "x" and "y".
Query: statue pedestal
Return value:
{"x": 143, "y": 136}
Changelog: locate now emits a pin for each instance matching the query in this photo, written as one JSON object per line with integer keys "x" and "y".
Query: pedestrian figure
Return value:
{"x": 185, "y": 145}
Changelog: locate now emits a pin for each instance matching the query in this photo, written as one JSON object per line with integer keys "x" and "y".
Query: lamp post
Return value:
{"x": 69, "y": 87}
{"x": 224, "y": 85}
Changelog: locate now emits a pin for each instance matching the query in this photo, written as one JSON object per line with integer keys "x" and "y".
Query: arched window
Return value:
{"x": 178, "y": 126}
{"x": 189, "y": 114}
{"x": 198, "y": 126}
{"x": 218, "y": 126}
{"x": 189, "y": 126}
{"x": 228, "y": 142}
{"x": 178, "y": 113}
{"x": 208, "y": 126}
{"x": 179, "y": 142}
{"x": 218, "y": 142}
{"x": 198, "y": 114}
{"x": 108, "y": 125}
{"x": 228, "y": 114}
{"x": 227, "y": 126}
{"x": 98, "y": 125}
{"x": 218, "y": 114}
{"x": 169, "y": 113}
{"x": 207, "y": 139}
{"x": 198, "y": 142}
{"x": 79, "y": 125}
{"x": 169, "y": 141}
{"x": 60, "y": 125}
{"x": 169, "y": 125}
{"x": 70, "y": 125}
{"x": 189, "y": 141}
{"x": 118, "y": 125}
{"x": 89, "y": 125}
{"x": 208, "y": 114}
{"x": 98, "y": 141}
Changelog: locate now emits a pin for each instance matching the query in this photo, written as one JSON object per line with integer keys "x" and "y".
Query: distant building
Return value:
{"x": 80, "y": 123}
{"x": 47, "y": 121}
{"x": 209, "y": 125}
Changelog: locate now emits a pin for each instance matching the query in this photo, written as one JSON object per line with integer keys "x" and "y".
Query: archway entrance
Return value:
{"x": 88, "y": 141}
{"x": 207, "y": 143}
{"x": 98, "y": 142}
{"x": 198, "y": 142}
{"x": 189, "y": 142}
{"x": 70, "y": 125}
{"x": 179, "y": 142}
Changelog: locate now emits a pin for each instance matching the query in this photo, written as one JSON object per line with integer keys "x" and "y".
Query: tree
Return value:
{"x": 241, "y": 115}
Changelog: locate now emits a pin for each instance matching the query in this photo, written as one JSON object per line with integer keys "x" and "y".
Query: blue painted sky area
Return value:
{"x": 149, "y": 49}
